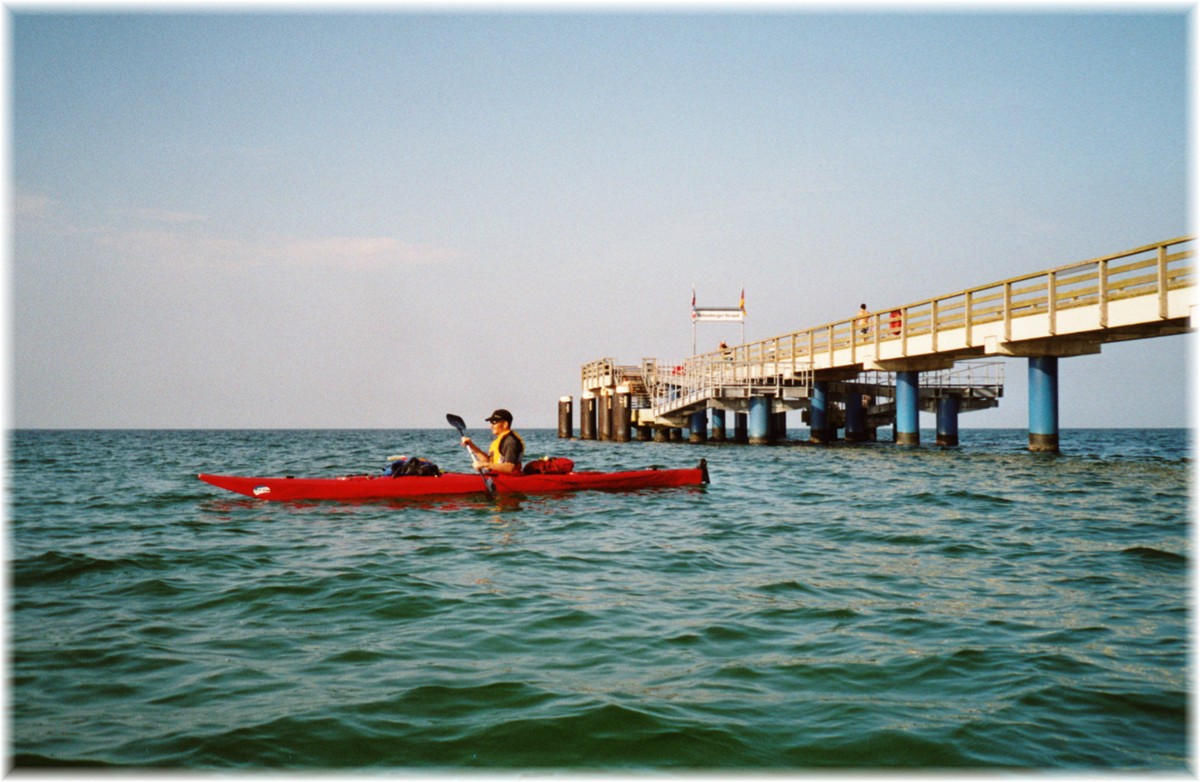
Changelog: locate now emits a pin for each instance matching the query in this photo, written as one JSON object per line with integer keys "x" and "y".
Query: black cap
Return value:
{"x": 500, "y": 415}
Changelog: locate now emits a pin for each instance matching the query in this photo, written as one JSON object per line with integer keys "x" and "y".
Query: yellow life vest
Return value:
{"x": 494, "y": 448}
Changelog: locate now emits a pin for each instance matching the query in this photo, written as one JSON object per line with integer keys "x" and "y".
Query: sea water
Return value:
{"x": 861, "y": 607}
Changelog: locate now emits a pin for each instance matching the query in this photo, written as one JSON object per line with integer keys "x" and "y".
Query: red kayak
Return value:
{"x": 370, "y": 487}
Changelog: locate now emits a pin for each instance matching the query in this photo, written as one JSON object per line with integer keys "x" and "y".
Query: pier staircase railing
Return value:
{"x": 675, "y": 386}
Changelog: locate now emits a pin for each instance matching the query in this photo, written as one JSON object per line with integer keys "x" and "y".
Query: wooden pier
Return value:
{"x": 880, "y": 369}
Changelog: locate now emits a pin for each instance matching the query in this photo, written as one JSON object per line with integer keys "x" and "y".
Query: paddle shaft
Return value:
{"x": 458, "y": 423}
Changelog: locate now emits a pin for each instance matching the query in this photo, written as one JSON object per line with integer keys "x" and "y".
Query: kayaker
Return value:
{"x": 506, "y": 450}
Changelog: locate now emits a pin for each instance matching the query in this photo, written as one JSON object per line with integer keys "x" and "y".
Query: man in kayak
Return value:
{"x": 506, "y": 450}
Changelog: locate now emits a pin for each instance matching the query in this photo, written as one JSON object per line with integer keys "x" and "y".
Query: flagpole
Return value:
{"x": 742, "y": 306}
{"x": 693, "y": 319}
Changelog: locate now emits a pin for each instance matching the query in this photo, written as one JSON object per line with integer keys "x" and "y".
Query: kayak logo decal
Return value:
{"x": 261, "y": 490}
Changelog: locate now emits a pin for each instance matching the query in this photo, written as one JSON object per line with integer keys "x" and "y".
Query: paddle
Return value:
{"x": 456, "y": 421}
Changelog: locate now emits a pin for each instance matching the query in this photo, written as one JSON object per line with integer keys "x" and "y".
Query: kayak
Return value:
{"x": 372, "y": 487}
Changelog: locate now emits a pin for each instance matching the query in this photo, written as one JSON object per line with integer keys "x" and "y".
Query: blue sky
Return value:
{"x": 319, "y": 219}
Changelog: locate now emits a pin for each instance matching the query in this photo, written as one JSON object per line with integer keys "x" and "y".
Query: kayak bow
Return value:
{"x": 369, "y": 487}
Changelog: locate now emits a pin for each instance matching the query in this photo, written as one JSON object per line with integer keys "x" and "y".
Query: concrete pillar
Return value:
{"x": 908, "y": 393}
{"x": 644, "y": 433}
{"x": 1043, "y": 404}
{"x": 621, "y": 414}
{"x": 779, "y": 426}
{"x": 604, "y": 414}
{"x": 587, "y": 416}
{"x": 856, "y": 418}
{"x": 698, "y": 424}
{"x": 947, "y": 420}
{"x": 676, "y": 435}
{"x": 662, "y": 434}
{"x": 760, "y": 420}
{"x": 740, "y": 430}
{"x": 565, "y": 416}
{"x": 717, "y": 430}
{"x": 818, "y": 412}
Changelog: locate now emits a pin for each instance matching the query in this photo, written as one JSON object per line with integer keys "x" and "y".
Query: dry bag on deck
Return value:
{"x": 549, "y": 465}
{"x": 410, "y": 465}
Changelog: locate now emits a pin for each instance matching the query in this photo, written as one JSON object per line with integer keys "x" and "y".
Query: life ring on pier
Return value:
{"x": 895, "y": 321}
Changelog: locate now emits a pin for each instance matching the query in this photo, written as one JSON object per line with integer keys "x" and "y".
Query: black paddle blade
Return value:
{"x": 457, "y": 422}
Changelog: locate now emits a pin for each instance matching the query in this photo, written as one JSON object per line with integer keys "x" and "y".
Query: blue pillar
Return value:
{"x": 818, "y": 412}
{"x": 1043, "y": 404}
{"x": 698, "y": 424}
{"x": 947, "y": 420}
{"x": 908, "y": 385}
{"x": 760, "y": 420}
{"x": 856, "y": 418}
{"x": 718, "y": 425}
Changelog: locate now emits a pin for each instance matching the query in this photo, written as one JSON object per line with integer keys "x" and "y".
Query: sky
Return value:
{"x": 303, "y": 218}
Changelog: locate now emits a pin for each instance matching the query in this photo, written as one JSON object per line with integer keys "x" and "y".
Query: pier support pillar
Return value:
{"x": 740, "y": 430}
{"x": 698, "y": 424}
{"x": 1043, "y": 404}
{"x": 908, "y": 393}
{"x": 947, "y": 420}
{"x": 644, "y": 433}
{"x": 604, "y": 414}
{"x": 565, "y": 415}
{"x": 676, "y": 434}
{"x": 856, "y": 418}
{"x": 779, "y": 426}
{"x": 662, "y": 434}
{"x": 717, "y": 431}
{"x": 760, "y": 420}
{"x": 621, "y": 414}
{"x": 587, "y": 416}
{"x": 818, "y": 412}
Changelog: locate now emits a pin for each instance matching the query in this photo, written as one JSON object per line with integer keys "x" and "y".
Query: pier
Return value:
{"x": 939, "y": 355}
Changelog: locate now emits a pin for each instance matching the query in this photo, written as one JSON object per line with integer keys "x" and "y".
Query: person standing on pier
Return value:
{"x": 506, "y": 450}
{"x": 863, "y": 322}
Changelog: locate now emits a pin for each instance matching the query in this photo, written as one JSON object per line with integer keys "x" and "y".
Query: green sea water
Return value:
{"x": 814, "y": 608}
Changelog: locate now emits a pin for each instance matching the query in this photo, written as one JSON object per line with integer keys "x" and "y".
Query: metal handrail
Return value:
{"x": 1151, "y": 269}
{"x": 964, "y": 374}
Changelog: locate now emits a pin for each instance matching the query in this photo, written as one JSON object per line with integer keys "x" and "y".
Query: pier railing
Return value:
{"x": 700, "y": 377}
{"x": 986, "y": 377}
{"x": 1151, "y": 270}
